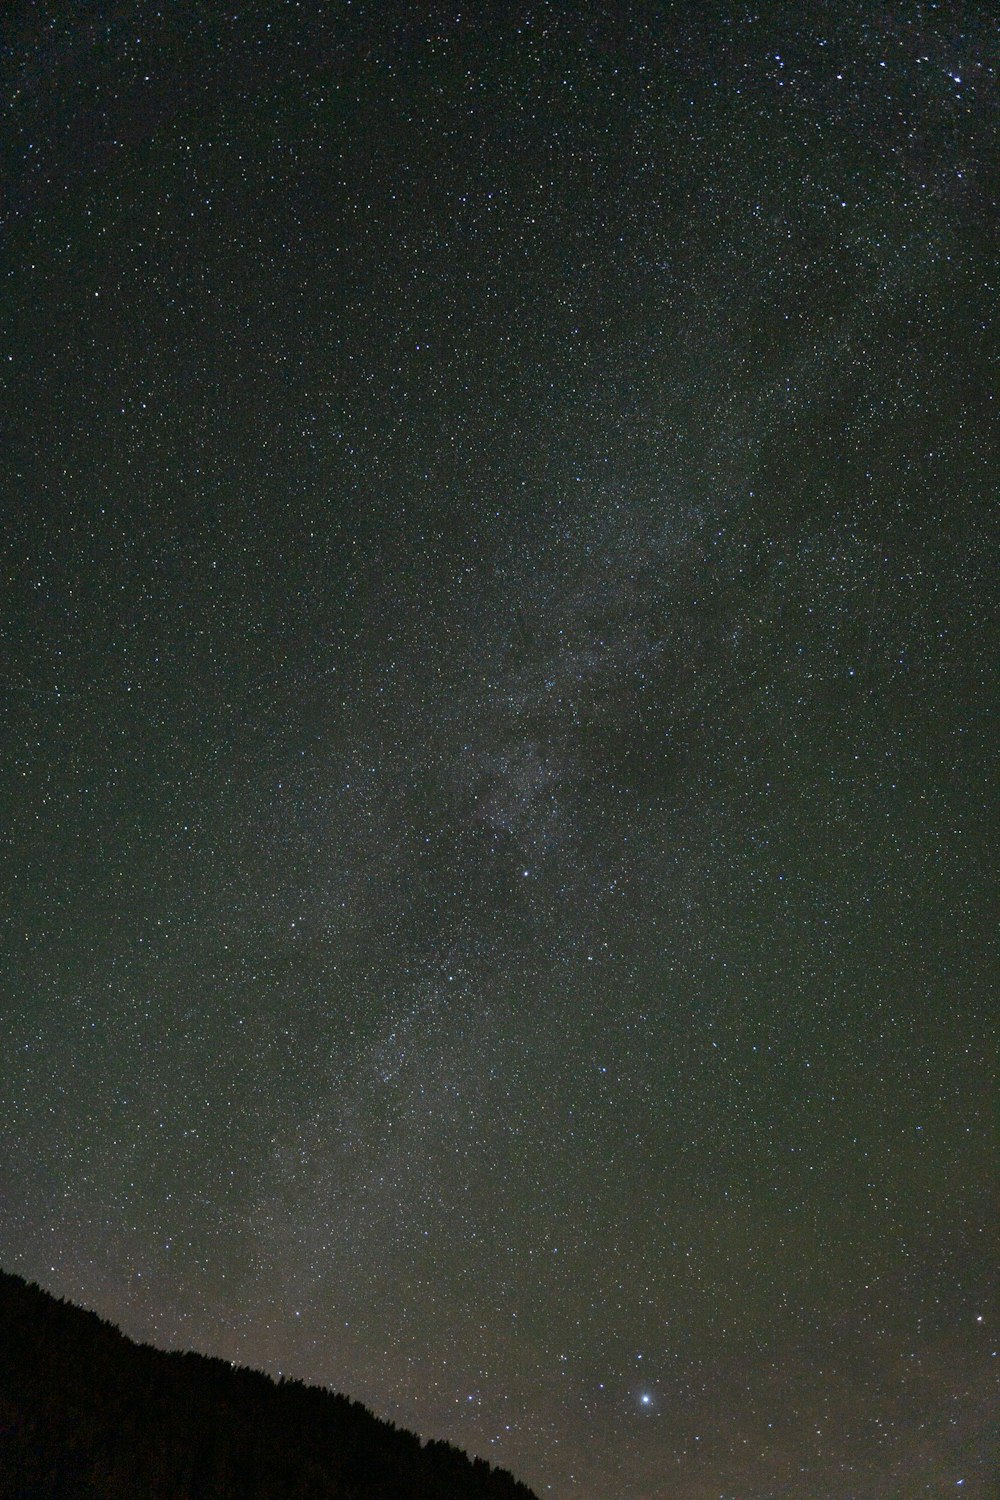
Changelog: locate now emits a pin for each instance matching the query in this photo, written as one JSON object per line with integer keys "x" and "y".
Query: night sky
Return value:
{"x": 498, "y": 633}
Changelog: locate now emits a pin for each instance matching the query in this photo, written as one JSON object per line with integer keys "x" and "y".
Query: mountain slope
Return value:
{"x": 86, "y": 1414}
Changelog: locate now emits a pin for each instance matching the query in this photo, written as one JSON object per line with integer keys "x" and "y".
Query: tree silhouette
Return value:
{"x": 86, "y": 1414}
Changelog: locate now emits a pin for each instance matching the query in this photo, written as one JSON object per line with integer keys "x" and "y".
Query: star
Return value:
{"x": 506, "y": 587}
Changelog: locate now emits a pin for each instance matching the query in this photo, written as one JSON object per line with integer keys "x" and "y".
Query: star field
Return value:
{"x": 499, "y": 632}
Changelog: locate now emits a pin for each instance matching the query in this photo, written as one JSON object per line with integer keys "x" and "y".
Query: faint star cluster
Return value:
{"x": 498, "y": 774}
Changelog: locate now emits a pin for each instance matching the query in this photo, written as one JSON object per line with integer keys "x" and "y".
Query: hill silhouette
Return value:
{"x": 87, "y": 1414}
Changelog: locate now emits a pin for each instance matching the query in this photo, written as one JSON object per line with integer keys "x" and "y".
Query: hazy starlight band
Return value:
{"x": 495, "y": 679}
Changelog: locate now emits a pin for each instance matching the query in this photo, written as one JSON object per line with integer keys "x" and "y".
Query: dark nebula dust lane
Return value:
{"x": 498, "y": 626}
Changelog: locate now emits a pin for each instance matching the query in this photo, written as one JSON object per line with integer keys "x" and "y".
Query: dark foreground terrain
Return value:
{"x": 85, "y": 1412}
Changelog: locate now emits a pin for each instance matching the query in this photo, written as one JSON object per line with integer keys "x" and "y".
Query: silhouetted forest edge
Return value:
{"x": 87, "y": 1414}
